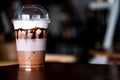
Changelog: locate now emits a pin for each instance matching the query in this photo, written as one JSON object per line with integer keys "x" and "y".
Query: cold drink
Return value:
{"x": 30, "y": 39}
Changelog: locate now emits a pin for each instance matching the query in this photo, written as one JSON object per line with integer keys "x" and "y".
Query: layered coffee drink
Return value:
{"x": 30, "y": 25}
{"x": 30, "y": 42}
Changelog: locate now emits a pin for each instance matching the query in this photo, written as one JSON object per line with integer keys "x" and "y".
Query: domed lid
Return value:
{"x": 31, "y": 12}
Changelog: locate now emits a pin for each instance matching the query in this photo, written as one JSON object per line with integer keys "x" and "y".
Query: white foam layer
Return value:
{"x": 30, "y": 24}
{"x": 30, "y": 44}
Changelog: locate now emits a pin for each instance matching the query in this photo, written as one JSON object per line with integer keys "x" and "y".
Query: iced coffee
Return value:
{"x": 31, "y": 32}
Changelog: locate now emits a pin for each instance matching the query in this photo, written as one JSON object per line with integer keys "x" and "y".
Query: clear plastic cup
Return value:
{"x": 30, "y": 26}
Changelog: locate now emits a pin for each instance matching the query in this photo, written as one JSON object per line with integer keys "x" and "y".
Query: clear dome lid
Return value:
{"x": 31, "y": 12}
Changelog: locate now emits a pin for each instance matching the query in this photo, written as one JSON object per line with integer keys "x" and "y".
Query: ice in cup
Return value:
{"x": 30, "y": 25}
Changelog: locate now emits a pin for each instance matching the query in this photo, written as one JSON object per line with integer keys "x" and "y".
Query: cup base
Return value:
{"x": 30, "y": 68}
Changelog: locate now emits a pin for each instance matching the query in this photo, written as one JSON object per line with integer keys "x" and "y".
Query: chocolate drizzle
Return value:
{"x": 34, "y": 33}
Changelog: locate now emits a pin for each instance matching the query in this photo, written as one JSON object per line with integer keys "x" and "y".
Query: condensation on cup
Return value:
{"x": 30, "y": 26}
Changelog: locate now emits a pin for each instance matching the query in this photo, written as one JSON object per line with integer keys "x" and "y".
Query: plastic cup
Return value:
{"x": 30, "y": 25}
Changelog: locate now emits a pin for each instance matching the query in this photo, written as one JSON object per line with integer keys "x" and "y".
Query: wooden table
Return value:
{"x": 61, "y": 71}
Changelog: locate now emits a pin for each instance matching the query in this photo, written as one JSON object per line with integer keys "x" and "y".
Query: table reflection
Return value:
{"x": 33, "y": 74}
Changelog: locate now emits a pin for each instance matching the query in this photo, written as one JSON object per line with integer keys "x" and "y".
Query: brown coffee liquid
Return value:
{"x": 31, "y": 58}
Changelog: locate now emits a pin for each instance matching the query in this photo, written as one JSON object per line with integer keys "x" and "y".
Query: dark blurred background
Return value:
{"x": 75, "y": 28}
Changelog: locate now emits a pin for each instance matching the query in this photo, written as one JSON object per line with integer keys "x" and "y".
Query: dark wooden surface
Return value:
{"x": 62, "y": 71}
